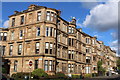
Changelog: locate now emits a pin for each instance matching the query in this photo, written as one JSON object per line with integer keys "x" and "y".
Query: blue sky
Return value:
{"x": 79, "y": 10}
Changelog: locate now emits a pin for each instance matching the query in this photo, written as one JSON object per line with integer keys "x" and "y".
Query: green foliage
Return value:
{"x": 118, "y": 64}
{"x": 19, "y": 76}
{"x": 88, "y": 75}
{"x": 100, "y": 68}
{"x": 39, "y": 73}
{"x": 99, "y": 65}
{"x": 60, "y": 74}
{"x": 94, "y": 74}
{"x": 75, "y": 76}
{"x": 4, "y": 71}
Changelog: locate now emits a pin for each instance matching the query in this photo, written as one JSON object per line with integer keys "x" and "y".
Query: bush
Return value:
{"x": 19, "y": 76}
{"x": 75, "y": 76}
{"x": 60, "y": 74}
{"x": 4, "y": 71}
{"x": 39, "y": 73}
{"x": 94, "y": 74}
{"x": 87, "y": 75}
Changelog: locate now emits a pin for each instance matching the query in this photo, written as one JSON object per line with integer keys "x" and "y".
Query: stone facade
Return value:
{"x": 53, "y": 44}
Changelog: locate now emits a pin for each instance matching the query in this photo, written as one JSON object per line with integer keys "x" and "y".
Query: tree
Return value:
{"x": 101, "y": 70}
{"x": 118, "y": 64}
{"x": 4, "y": 71}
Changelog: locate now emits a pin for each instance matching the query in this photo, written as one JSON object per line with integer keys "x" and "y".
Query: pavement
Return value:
{"x": 113, "y": 77}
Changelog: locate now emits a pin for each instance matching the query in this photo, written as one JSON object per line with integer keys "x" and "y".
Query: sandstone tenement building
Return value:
{"x": 52, "y": 43}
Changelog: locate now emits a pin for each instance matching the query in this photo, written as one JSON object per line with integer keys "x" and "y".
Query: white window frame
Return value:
{"x": 48, "y": 15}
{"x": 39, "y": 15}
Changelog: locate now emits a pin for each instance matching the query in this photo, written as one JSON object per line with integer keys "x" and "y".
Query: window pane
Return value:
{"x": 46, "y": 65}
{"x": 13, "y": 21}
{"x": 54, "y": 32}
{"x": 36, "y": 64}
{"x": 15, "y": 65}
{"x": 39, "y": 16}
{"x": 22, "y": 19}
{"x": 51, "y": 45}
{"x": 10, "y": 50}
{"x": 19, "y": 49}
{"x": 12, "y": 36}
{"x": 51, "y": 31}
{"x": 47, "y": 31}
{"x": 21, "y": 34}
{"x": 38, "y": 31}
{"x": 50, "y": 65}
{"x": 48, "y": 15}
{"x": 46, "y": 45}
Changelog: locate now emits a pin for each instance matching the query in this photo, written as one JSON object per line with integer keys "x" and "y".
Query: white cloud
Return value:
{"x": 6, "y": 24}
{"x": 114, "y": 43}
{"x": 114, "y": 46}
{"x": 77, "y": 23}
{"x": 114, "y": 35}
{"x": 98, "y": 36}
{"x": 103, "y": 17}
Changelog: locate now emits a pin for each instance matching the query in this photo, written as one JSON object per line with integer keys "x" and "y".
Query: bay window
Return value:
{"x": 51, "y": 31}
{"x": 50, "y": 65}
{"x": 54, "y": 32}
{"x": 48, "y": 15}
{"x": 46, "y": 65}
{"x": 51, "y": 47}
{"x": 47, "y": 31}
{"x": 52, "y": 16}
